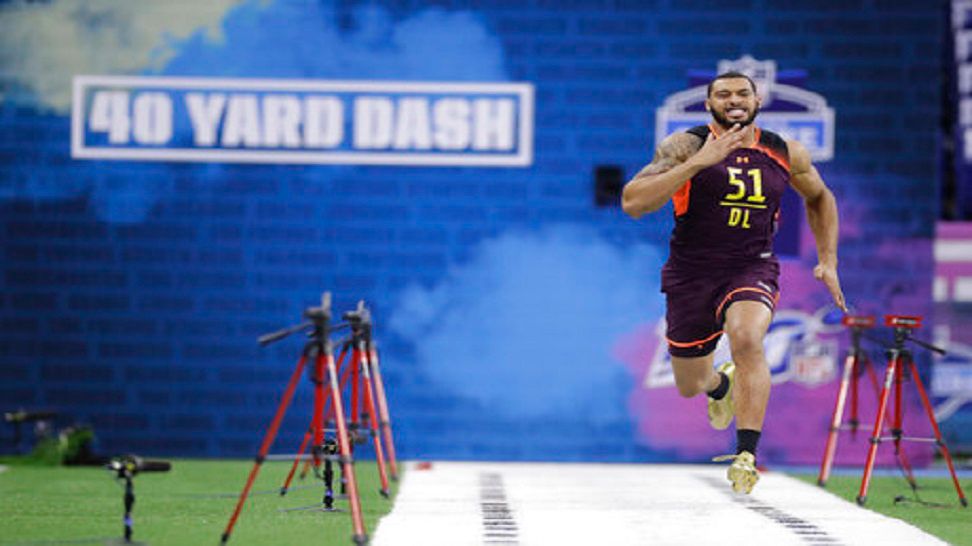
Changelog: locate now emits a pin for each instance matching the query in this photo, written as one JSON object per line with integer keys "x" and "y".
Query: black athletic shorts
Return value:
{"x": 697, "y": 299}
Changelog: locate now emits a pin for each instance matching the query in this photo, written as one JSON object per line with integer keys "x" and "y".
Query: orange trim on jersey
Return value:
{"x": 743, "y": 289}
{"x": 681, "y": 198}
{"x": 694, "y": 343}
{"x": 783, "y": 162}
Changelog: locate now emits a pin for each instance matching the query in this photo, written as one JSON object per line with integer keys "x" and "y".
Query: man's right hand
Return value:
{"x": 715, "y": 149}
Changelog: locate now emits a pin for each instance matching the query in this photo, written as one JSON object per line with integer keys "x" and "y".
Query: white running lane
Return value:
{"x": 474, "y": 504}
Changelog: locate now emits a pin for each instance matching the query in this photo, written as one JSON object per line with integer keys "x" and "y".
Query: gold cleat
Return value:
{"x": 742, "y": 472}
{"x": 721, "y": 411}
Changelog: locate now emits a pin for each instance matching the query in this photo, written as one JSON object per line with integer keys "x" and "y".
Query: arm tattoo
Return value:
{"x": 672, "y": 151}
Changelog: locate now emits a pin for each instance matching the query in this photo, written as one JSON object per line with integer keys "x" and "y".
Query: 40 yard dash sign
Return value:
{"x": 302, "y": 121}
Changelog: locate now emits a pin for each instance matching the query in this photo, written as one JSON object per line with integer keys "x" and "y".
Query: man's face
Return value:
{"x": 732, "y": 101}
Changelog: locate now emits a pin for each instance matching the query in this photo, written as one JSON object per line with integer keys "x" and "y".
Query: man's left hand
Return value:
{"x": 828, "y": 275}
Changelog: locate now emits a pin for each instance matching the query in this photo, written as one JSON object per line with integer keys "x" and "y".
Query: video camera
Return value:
{"x": 130, "y": 465}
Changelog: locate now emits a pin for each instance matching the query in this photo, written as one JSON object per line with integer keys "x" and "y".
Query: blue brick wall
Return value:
{"x": 132, "y": 293}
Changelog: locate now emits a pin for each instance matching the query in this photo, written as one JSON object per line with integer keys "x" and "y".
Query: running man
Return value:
{"x": 726, "y": 180}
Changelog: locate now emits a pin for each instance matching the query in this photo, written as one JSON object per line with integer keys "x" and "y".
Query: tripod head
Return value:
{"x": 41, "y": 420}
{"x": 858, "y": 325}
{"x": 858, "y": 322}
{"x": 23, "y": 416}
{"x": 128, "y": 466}
{"x": 359, "y": 320}
{"x": 904, "y": 322}
{"x": 318, "y": 322}
{"x": 903, "y": 326}
{"x": 322, "y": 313}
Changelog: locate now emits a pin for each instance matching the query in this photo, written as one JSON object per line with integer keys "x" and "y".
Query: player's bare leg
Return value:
{"x": 694, "y": 375}
{"x": 746, "y": 325}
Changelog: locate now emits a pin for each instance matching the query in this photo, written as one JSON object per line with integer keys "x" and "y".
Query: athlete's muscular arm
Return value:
{"x": 655, "y": 184}
{"x": 677, "y": 159}
{"x": 822, "y": 216}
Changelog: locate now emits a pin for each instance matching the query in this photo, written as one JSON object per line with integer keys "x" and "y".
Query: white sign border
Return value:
{"x": 522, "y": 158}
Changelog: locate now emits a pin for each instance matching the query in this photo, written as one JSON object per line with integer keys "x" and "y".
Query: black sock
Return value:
{"x": 746, "y": 440}
{"x": 719, "y": 392}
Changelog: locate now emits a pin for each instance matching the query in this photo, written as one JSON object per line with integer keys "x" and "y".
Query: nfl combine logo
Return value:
{"x": 787, "y": 109}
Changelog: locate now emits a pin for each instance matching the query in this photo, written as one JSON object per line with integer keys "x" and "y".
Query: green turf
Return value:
{"x": 950, "y": 521}
{"x": 189, "y": 505}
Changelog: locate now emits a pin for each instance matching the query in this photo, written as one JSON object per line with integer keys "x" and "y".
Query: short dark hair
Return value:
{"x": 732, "y": 74}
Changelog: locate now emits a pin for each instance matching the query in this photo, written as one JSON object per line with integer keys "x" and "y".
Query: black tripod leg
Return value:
{"x": 328, "y": 484}
{"x": 129, "y": 504}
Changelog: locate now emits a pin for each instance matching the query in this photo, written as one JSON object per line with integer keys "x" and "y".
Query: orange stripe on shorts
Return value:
{"x": 743, "y": 289}
{"x": 694, "y": 343}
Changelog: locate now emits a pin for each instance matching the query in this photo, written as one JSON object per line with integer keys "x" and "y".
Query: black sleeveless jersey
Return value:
{"x": 728, "y": 213}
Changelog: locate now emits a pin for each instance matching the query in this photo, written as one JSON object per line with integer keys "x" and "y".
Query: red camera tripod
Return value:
{"x": 364, "y": 373}
{"x": 900, "y": 359}
{"x": 319, "y": 350}
{"x": 856, "y": 364}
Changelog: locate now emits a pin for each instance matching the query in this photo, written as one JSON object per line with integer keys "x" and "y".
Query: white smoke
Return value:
{"x": 527, "y": 326}
{"x": 44, "y": 44}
